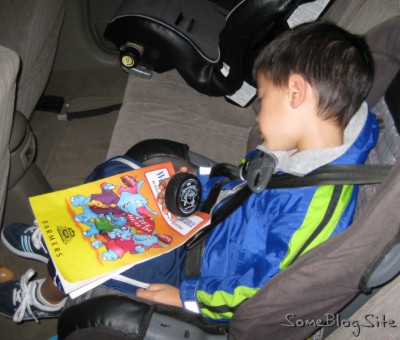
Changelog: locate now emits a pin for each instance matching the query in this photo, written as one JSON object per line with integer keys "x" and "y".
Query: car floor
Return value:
{"x": 66, "y": 153}
{"x": 69, "y": 149}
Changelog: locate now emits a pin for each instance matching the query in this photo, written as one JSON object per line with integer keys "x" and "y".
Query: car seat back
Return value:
{"x": 9, "y": 67}
{"x": 212, "y": 49}
{"x": 31, "y": 29}
{"x": 373, "y": 239}
{"x": 380, "y": 272}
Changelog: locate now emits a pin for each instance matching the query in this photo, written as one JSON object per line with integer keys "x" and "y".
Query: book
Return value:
{"x": 96, "y": 231}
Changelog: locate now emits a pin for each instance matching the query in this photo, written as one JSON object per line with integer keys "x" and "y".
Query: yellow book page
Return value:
{"x": 98, "y": 227}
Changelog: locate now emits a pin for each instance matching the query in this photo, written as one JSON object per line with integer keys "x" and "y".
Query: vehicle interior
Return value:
{"x": 77, "y": 87}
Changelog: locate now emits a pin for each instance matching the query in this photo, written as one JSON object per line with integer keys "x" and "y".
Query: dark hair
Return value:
{"x": 336, "y": 63}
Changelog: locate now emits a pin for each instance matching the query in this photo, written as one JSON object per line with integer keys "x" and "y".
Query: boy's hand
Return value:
{"x": 161, "y": 196}
{"x": 162, "y": 293}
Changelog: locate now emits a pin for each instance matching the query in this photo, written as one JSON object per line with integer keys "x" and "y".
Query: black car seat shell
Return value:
{"x": 165, "y": 107}
{"x": 214, "y": 55}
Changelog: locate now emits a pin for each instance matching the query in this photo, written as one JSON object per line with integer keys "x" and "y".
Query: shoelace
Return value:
{"x": 24, "y": 296}
{"x": 37, "y": 238}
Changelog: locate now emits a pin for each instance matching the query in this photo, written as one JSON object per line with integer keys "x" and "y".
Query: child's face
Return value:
{"x": 278, "y": 125}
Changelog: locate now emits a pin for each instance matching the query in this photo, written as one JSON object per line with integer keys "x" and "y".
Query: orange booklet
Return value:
{"x": 97, "y": 230}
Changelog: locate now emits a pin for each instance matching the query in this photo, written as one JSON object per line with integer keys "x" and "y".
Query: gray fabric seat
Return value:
{"x": 9, "y": 66}
{"x": 166, "y": 107}
{"x": 31, "y": 29}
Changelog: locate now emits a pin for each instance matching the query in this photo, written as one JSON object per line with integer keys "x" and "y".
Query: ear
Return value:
{"x": 297, "y": 86}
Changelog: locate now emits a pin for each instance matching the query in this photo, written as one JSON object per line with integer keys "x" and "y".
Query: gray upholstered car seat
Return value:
{"x": 329, "y": 278}
{"x": 31, "y": 29}
{"x": 9, "y": 66}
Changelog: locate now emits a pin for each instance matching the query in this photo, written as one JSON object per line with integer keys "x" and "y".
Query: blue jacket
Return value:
{"x": 263, "y": 236}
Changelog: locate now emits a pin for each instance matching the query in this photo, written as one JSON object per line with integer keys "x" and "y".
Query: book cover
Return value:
{"x": 97, "y": 230}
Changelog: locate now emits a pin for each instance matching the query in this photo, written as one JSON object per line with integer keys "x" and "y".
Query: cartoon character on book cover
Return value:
{"x": 100, "y": 228}
{"x": 121, "y": 222}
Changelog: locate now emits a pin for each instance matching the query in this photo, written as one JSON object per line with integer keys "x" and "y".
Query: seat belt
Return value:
{"x": 339, "y": 175}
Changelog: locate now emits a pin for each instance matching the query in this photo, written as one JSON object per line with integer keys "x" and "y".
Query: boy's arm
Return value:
{"x": 161, "y": 293}
{"x": 167, "y": 294}
{"x": 215, "y": 302}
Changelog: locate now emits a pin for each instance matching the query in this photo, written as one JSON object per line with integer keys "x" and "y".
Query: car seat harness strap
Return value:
{"x": 337, "y": 175}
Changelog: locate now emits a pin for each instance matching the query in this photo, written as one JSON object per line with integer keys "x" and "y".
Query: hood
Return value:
{"x": 360, "y": 136}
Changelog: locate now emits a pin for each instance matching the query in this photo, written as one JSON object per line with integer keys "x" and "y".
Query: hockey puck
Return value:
{"x": 183, "y": 194}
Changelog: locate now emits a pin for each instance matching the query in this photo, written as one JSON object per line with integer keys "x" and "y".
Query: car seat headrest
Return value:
{"x": 384, "y": 42}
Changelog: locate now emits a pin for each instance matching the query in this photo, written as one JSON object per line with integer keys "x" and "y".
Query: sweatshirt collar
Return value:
{"x": 304, "y": 162}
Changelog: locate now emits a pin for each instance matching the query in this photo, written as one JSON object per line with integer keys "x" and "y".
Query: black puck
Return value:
{"x": 183, "y": 194}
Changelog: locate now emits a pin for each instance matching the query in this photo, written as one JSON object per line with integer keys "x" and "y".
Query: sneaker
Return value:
{"x": 19, "y": 300}
{"x": 25, "y": 240}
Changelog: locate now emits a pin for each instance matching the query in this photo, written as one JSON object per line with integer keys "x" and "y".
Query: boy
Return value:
{"x": 312, "y": 82}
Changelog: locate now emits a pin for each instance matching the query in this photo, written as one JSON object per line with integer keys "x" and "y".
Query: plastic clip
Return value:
{"x": 259, "y": 171}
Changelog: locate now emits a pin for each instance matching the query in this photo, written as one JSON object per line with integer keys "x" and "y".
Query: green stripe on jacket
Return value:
{"x": 316, "y": 212}
{"x": 222, "y": 305}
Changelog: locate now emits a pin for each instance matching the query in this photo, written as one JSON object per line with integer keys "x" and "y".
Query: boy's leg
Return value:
{"x": 28, "y": 299}
{"x": 50, "y": 292}
{"x": 27, "y": 241}
{"x": 168, "y": 268}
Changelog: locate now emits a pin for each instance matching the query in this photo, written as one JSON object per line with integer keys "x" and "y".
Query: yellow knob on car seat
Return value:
{"x": 127, "y": 61}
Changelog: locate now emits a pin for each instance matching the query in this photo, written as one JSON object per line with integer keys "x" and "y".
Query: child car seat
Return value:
{"x": 212, "y": 47}
{"x": 322, "y": 281}
{"x": 318, "y": 284}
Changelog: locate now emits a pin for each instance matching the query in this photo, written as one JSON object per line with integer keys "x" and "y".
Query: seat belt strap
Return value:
{"x": 361, "y": 174}
{"x": 327, "y": 175}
